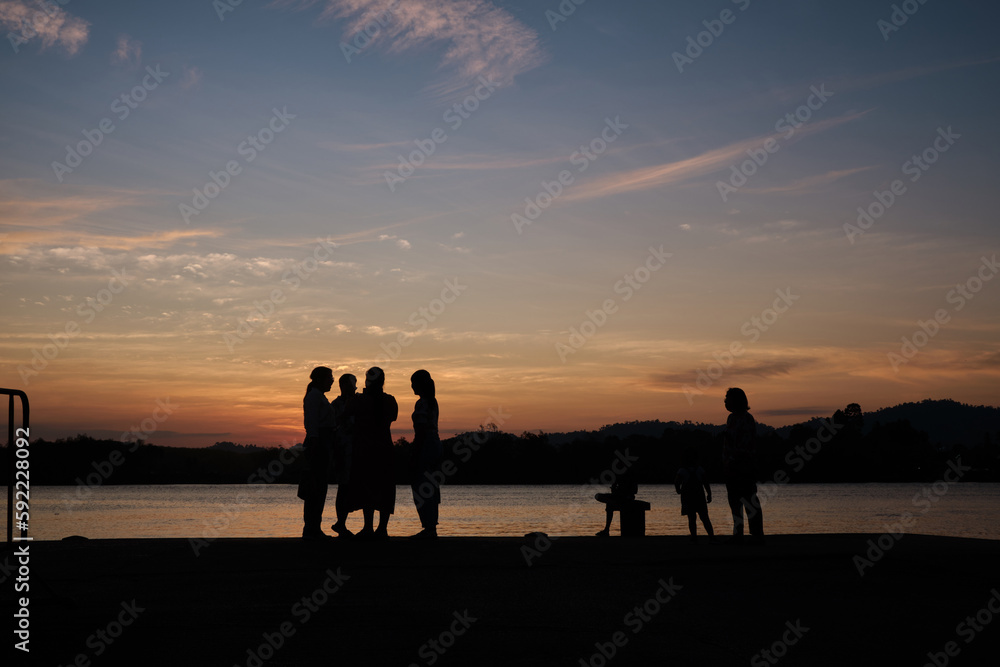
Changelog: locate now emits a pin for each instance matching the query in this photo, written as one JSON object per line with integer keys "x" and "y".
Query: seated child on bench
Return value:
{"x": 623, "y": 490}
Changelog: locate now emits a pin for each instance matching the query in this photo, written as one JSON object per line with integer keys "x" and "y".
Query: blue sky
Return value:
{"x": 322, "y": 180}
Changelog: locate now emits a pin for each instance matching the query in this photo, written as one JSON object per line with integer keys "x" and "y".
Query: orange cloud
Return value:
{"x": 49, "y": 21}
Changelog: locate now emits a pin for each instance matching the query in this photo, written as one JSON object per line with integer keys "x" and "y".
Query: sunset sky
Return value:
{"x": 404, "y": 186}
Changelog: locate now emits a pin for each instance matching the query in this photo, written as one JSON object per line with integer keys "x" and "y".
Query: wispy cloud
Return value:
{"x": 191, "y": 77}
{"x": 878, "y": 79}
{"x": 402, "y": 244}
{"x": 128, "y": 52}
{"x": 24, "y": 243}
{"x": 52, "y": 24}
{"x": 33, "y": 203}
{"x": 476, "y": 37}
{"x": 360, "y": 148}
{"x": 760, "y": 369}
{"x": 41, "y": 215}
{"x": 477, "y": 162}
{"x": 646, "y": 178}
{"x": 809, "y": 183}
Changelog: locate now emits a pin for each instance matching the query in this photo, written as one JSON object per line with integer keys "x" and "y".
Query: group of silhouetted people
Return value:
{"x": 739, "y": 460}
{"x": 350, "y": 441}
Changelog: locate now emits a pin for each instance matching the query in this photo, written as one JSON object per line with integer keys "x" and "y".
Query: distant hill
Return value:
{"x": 650, "y": 428}
{"x": 86, "y": 462}
{"x": 227, "y": 446}
{"x": 946, "y": 422}
{"x": 908, "y": 442}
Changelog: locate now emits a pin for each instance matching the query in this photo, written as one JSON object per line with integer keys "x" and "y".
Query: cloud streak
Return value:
{"x": 760, "y": 369}
{"x": 809, "y": 183}
{"x": 648, "y": 178}
{"x": 478, "y": 38}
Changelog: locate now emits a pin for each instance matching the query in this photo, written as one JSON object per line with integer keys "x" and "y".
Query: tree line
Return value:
{"x": 841, "y": 448}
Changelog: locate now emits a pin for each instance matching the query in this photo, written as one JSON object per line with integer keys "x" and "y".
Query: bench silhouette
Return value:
{"x": 632, "y": 514}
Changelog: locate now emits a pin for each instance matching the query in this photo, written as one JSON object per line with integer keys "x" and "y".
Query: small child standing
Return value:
{"x": 689, "y": 482}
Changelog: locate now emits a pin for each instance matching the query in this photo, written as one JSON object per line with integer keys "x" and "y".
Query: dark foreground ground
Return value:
{"x": 471, "y": 601}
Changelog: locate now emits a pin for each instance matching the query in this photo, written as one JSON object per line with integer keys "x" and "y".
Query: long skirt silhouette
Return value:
{"x": 373, "y": 484}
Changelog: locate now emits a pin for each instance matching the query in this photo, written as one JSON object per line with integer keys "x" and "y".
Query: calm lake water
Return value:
{"x": 959, "y": 510}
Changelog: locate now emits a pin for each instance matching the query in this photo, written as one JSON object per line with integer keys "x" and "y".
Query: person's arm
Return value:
{"x": 747, "y": 435}
{"x": 393, "y": 411}
{"x": 729, "y": 440}
{"x": 310, "y": 414}
{"x": 328, "y": 416}
{"x": 421, "y": 416}
{"x": 708, "y": 491}
{"x": 678, "y": 479}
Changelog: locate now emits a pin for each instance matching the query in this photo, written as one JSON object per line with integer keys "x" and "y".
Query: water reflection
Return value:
{"x": 967, "y": 510}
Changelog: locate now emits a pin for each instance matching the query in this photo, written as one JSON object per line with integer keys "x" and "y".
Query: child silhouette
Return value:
{"x": 692, "y": 485}
{"x": 623, "y": 490}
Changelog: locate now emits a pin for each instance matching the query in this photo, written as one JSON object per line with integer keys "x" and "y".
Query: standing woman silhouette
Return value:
{"x": 425, "y": 484}
{"x": 373, "y": 484}
{"x": 343, "y": 444}
{"x": 317, "y": 445}
{"x": 739, "y": 458}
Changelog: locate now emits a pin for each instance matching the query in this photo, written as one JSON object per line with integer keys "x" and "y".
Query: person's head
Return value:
{"x": 736, "y": 400}
{"x": 348, "y": 384}
{"x": 320, "y": 378}
{"x": 422, "y": 384}
{"x": 374, "y": 378}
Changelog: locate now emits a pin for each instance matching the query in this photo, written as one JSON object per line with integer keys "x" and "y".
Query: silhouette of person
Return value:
{"x": 623, "y": 490}
{"x": 343, "y": 444}
{"x": 739, "y": 454}
{"x": 317, "y": 444}
{"x": 692, "y": 485}
{"x": 427, "y": 451}
{"x": 373, "y": 485}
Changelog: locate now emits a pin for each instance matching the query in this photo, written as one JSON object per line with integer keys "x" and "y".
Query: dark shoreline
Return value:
{"x": 726, "y": 605}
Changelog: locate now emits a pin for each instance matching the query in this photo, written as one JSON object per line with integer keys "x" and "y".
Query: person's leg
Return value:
{"x": 692, "y": 526}
{"x": 755, "y": 513}
{"x": 312, "y": 514}
{"x": 707, "y": 523}
{"x": 736, "y": 508}
{"x": 608, "y": 516}
{"x": 433, "y": 506}
{"x": 419, "y": 502}
{"x": 369, "y": 515}
{"x": 426, "y": 499}
{"x": 320, "y": 506}
{"x": 309, "y": 521}
{"x": 609, "y": 513}
{"x": 383, "y": 523}
{"x": 313, "y": 487}
{"x": 432, "y": 514}
{"x": 340, "y": 504}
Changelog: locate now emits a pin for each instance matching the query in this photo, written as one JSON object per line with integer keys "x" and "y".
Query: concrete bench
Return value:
{"x": 633, "y": 516}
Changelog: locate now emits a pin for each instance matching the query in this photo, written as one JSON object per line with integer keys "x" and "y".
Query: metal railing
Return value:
{"x": 12, "y": 457}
